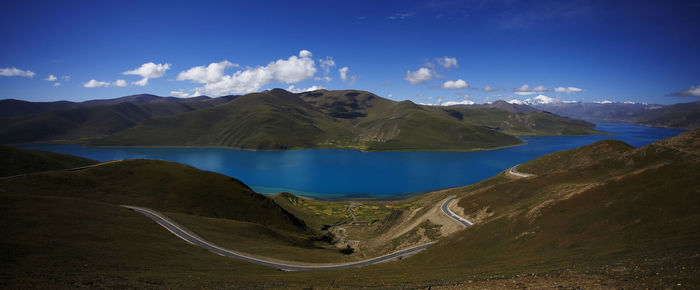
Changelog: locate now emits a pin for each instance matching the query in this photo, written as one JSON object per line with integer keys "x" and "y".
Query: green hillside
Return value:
{"x": 161, "y": 185}
{"x": 278, "y": 119}
{"x": 619, "y": 209}
{"x": 19, "y": 161}
{"x": 520, "y": 123}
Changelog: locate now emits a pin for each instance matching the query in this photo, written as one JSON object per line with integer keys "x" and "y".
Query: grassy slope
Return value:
{"x": 577, "y": 157}
{"x": 632, "y": 206}
{"x": 257, "y": 121}
{"x": 161, "y": 185}
{"x": 54, "y": 242}
{"x": 521, "y": 123}
{"x": 18, "y": 161}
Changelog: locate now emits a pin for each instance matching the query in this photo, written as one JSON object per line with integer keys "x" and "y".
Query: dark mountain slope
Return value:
{"x": 73, "y": 124}
{"x": 11, "y": 108}
{"x": 19, "y": 161}
{"x": 162, "y": 185}
{"x": 97, "y": 118}
{"x": 684, "y": 115}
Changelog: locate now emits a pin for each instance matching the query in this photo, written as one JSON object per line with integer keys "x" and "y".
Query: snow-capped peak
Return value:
{"x": 541, "y": 100}
{"x": 452, "y": 103}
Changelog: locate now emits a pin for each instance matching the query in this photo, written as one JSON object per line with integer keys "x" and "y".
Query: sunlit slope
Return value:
{"x": 617, "y": 210}
{"x": 519, "y": 121}
{"x": 19, "y": 161}
{"x": 278, "y": 119}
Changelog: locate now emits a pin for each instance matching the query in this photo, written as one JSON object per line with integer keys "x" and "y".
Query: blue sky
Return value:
{"x": 572, "y": 50}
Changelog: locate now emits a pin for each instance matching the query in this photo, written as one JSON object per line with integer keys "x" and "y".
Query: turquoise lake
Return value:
{"x": 345, "y": 174}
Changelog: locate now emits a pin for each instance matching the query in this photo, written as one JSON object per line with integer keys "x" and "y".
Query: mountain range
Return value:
{"x": 278, "y": 119}
{"x": 682, "y": 115}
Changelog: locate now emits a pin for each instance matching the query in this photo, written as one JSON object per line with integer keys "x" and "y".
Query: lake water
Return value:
{"x": 342, "y": 174}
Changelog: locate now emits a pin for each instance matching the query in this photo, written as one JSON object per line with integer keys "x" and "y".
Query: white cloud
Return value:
{"x": 66, "y": 78}
{"x": 292, "y": 70}
{"x": 15, "y": 72}
{"x": 56, "y": 84}
{"x": 212, "y": 73}
{"x": 448, "y": 62}
{"x": 119, "y": 83}
{"x": 539, "y": 100}
{"x": 300, "y": 90}
{"x": 326, "y": 64}
{"x": 344, "y": 73}
{"x": 567, "y": 90}
{"x": 458, "y": 84}
{"x": 95, "y": 84}
{"x": 143, "y": 82}
{"x": 420, "y": 76}
{"x": 692, "y": 91}
{"x": 182, "y": 94}
{"x": 305, "y": 53}
{"x": 603, "y": 102}
{"x": 148, "y": 71}
{"x": 491, "y": 89}
{"x": 526, "y": 90}
{"x": 51, "y": 78}
{"x": 452, "y": 103}
{"x": 325, "y": 79}
{"x": 516, "y": 102}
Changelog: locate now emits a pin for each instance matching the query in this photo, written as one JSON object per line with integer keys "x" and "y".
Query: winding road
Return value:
{"x": 67, "y": 169}
{"x": 449, "y": 213}
{"x": 287, "y": 266}
{"x": 513, "y": 172}
{"x": 181, "y": 233}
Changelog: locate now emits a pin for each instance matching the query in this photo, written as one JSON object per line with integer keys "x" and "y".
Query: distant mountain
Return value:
{"x": 90, "y": 119}
{"x": 684, "y": 115}
{"x": 539, "y": 100}
{"x": 277, "y": 119}
{"x": 11, "y": 108}
{"x": 503, "y": 105}
{"x": 519, "y": 119}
